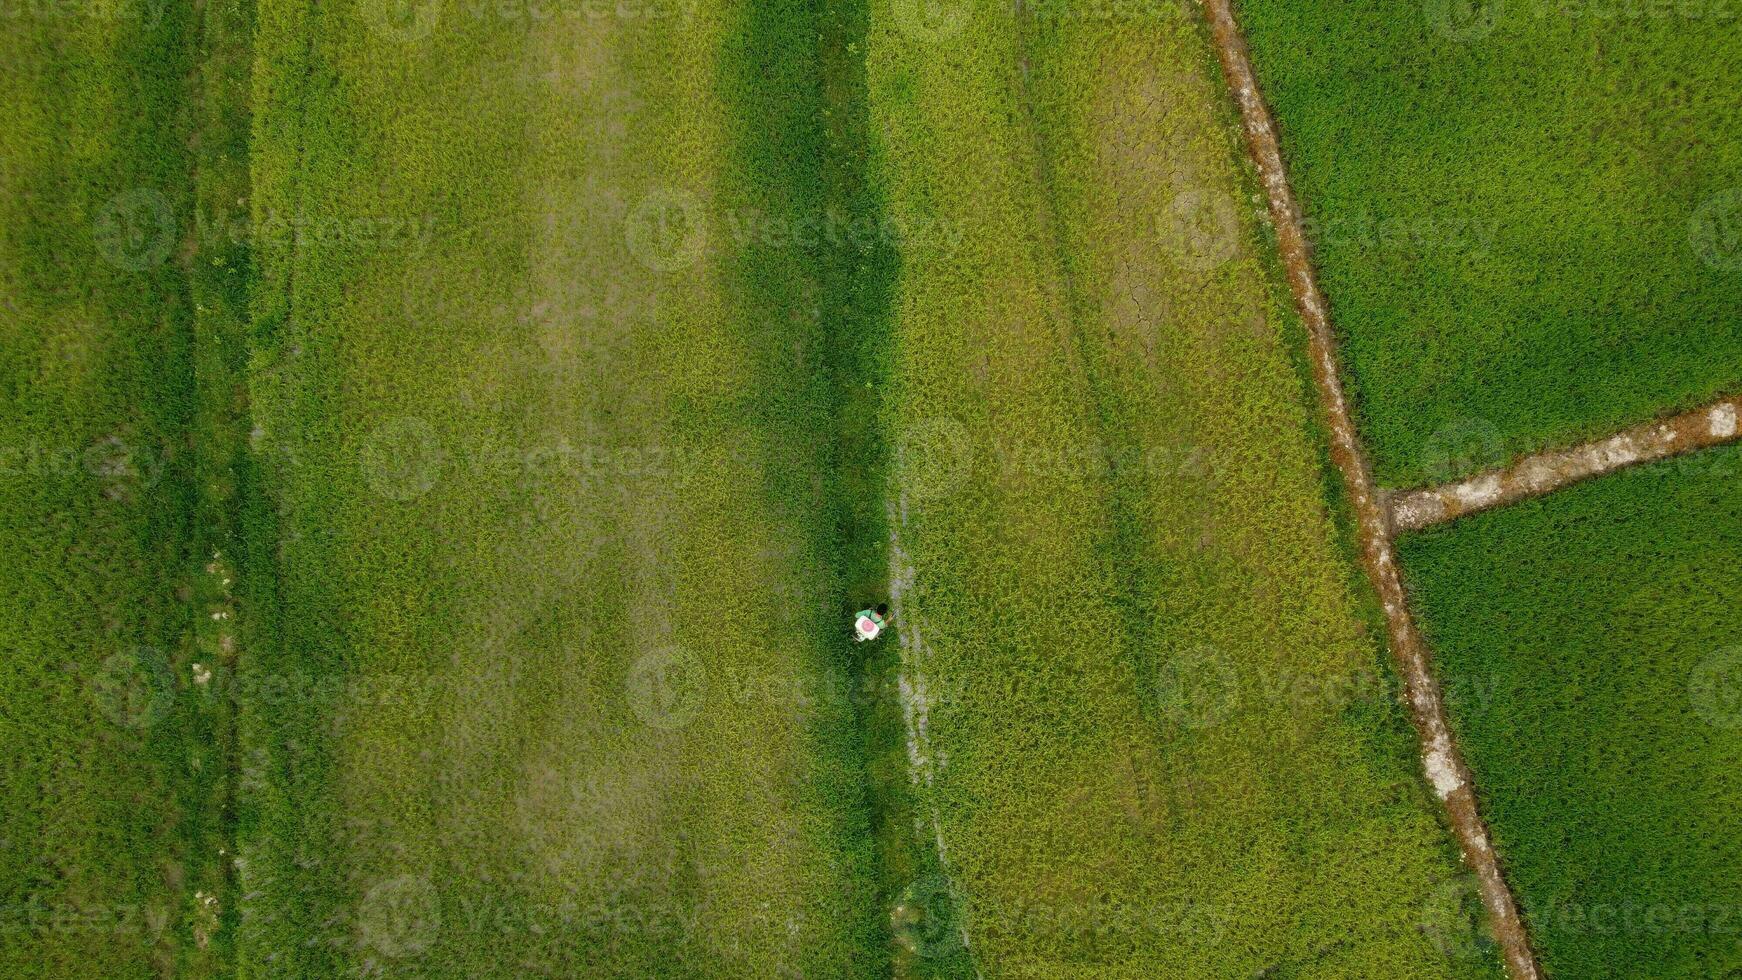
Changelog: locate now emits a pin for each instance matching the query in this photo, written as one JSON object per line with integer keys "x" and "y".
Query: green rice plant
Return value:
{"x": 1591, "y": 648}
{"x": 112, "y": 857}
{"x": 442, "y": 570}
{"x": 1524, "y": 214}
{"x": 552, "y": 680}
{"x": 1155, "y": 731}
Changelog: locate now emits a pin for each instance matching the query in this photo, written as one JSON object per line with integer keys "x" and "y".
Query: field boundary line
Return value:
{"x": 1711, "y": 425}
{"x": 1442, "y": 763}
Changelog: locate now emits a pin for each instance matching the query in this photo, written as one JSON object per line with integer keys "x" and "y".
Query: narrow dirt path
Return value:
{"x": 1441, "y": 760}
{"x": 1710, "y": 425}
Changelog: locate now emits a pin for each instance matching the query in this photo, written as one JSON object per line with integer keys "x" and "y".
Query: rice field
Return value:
{"x": 1524, "y": 214}
{"x": 444, "y": 444}
{"x": 1588, "y": 642}
{"x": 1155, "y": 736}
{"x": 546, "y": 484}
{"x": 111, "y": 777}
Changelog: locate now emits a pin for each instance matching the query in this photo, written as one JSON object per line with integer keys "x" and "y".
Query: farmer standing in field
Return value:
{"x": 868, "y": 623}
